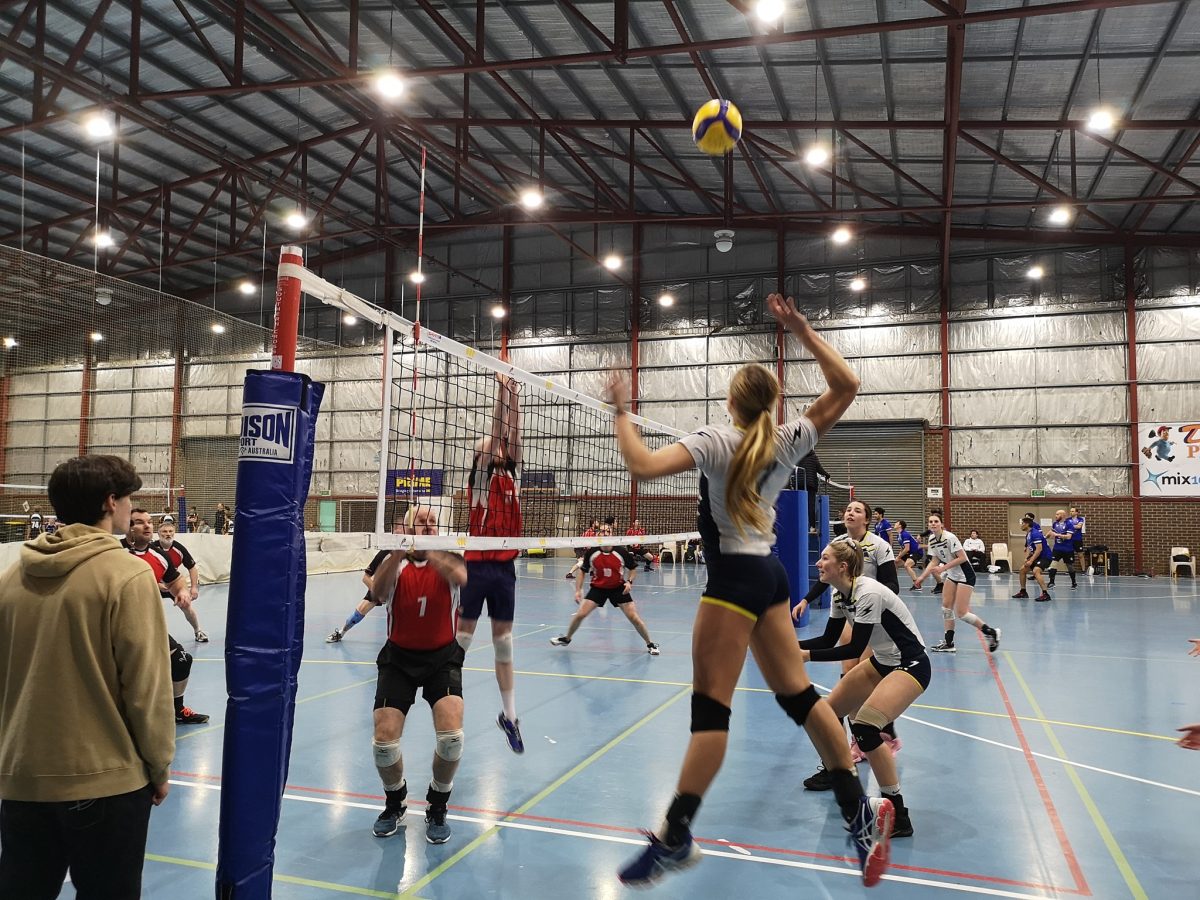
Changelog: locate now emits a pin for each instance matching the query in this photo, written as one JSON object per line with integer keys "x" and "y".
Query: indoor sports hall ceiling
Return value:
{"x": 952, "y": 119}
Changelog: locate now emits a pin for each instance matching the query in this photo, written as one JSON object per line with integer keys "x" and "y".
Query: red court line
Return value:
{"x": 717, "y": 844}
{"x": 1059, "y": 832}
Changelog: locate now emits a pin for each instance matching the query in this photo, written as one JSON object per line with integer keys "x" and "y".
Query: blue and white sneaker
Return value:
{"x": 436, "y": 829}
{"x": 389, "y": 821}
{"x": 512, "y": 732}
{"x": 871, "y": 835}
{"x": 658, "y": 860}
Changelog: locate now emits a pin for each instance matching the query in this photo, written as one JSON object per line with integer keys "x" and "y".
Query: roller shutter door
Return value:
{"x": 885, "y": 461}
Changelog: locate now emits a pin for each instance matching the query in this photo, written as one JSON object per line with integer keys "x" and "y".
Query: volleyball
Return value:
{"x": 717, "y": 127}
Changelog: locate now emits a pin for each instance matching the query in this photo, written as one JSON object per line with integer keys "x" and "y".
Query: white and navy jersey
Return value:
{"x": 895, "y": 638}
{"x": 875, "y": 550}
{"x": 944, "y": 549}
{"x": 712, "y": 448}
{"x": 35, "y": 525}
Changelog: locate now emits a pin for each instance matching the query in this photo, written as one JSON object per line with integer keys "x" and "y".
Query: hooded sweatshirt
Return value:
{"x": 85, "y": 674}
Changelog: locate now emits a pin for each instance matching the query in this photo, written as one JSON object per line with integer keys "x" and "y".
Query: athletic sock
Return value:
{"x": 354, "y": 619}
{"x": 892, "y": 792}
{"x": 179, "y": 705}
{"x": 848, "y": 791}
{"x": 950, "y": 638}
{"x": 508, "y": 699}
{"x": 677, "y": 826}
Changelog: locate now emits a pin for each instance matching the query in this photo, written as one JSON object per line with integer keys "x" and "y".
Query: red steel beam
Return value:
{"x": 213, "y": 55}
{"x": 880, "y": 158}
{"x": 199, "y": 217}
{"x": 1158, "y": 196}
{"x": 955, "y": 40}
{"x": 1141, "y": 160}
{"x": 1134, "y": 431}
{"x": 79, "y": 49}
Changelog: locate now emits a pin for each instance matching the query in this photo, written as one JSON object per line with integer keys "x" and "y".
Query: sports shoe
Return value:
{"x": 871, "y": 835}
{"x": 512, "y": 733}
{"x": 894, "y": 745}
{"x": 1074, "y": 586}
{"x": 188, "y": 716}
{"x": 658, "y": 860}
{"x": 943, "y": 647}
{"x": 938, "y": 589}
{"x": 648, "y": 569}
{"x": 820, "y": 780}
{"x": 436, "y": 829}
{"x": 993, "y": 640}
{"x": 856, "y": 753}
{"x": 561, "y": 641}
{"x": 652, "y": 648}
{"x": 334, "y": 636}
{"x": 570, "y": 576}
{"x": 1021, "y": 595}
{"x": 1043, "y": 597}
{"x": 902, "y": 824}
{"x": 917, "y": 588}
{"x": 201, "y": 637}
{"x": 392, "y": 817}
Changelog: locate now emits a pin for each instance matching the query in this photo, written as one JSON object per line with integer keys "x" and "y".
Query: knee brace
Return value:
{"x": 866, "y": 727}
{"x": 387, "y": 753}
{"x": 708, "y": 714}
{"x": 503, "y": 647}
{"x": 464, "y": 640}
{"x": 450, "y": 745}
{"x": 798, "y": 706}
{"x": 181, "y": 664}
{"x": 947, "y": 614}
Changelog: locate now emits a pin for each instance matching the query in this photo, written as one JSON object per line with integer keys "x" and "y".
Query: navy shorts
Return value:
{"x": 615, "y": 596}
{"x": 747, "y": 584}
{"x": 493, "y": 583}
{"x": 1067, "y": 556}
{"x": 918, "y": 668}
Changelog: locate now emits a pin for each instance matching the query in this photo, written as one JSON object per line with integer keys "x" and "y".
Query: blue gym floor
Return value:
{"x": 1046, "y": 770}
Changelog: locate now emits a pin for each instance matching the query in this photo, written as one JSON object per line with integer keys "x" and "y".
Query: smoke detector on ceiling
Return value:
{"x": 104, "y": 296}
{"x": 724, "y": 238}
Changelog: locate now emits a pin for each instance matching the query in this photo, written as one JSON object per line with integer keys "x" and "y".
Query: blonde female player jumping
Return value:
{"x": 948, "y": 558}
{"x": 743, "y": 467}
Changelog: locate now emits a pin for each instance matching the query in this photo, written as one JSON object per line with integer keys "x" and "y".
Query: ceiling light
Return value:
{"x": 296, "y": 220}
{"x": 816, "y": 155}
{"x": 9, "y": 343}
{"x": 417, "y": 277}
{"x": 99, "y": 126}
{"x": 1101, "y": 119}
{"x": 498, "y": 311}
{"x": 612, "y": 262}
{"x": 96, "y": 336}
{"x": 218, "y": 328}
{"x": 389, "y": 85}
{"x": 531, "y": 198}
{"x": 724, "y": 238}
{"x": 349, "y": 319}
{"x": 1060, "y": 215}
{"x": 842, "y": 235}
{"x": 858, "y": 284}
{"x": 246, "y": 287}
{"x": 769, "y": 11}
{"x": 103, "y": 239}
{"x": 666, "y": 300}
{"x": 1036, "y": 272}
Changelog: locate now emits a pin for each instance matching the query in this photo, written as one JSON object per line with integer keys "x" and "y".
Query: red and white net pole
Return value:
{"x": 420, "y": 280}
{"x": 287, "y": 312}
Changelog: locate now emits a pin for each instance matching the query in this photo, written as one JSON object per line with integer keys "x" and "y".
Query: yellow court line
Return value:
{"x": 283, "y": 879}
{"x": 1110, "y": 841}
{"x": 543, "y": 794}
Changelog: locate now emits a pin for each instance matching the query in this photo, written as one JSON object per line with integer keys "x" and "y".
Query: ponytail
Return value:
{"x": 743, "y": 502}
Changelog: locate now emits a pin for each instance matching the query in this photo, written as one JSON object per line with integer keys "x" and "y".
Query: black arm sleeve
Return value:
{"x": 853, "y": 650}
{"x": 815, "y": 591}
{"x": 887, "y": 576}
{"x": 833, "y": 628}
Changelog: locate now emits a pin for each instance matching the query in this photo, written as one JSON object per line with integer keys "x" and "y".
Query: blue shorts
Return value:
{"x": 492, "y": 582}
{"x": 746, "y": 584}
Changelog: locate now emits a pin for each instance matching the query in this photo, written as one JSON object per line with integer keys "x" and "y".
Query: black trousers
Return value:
{"x": 102, "y": 842}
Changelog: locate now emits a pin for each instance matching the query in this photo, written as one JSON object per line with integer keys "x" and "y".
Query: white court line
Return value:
{"x": 638, "y": 842}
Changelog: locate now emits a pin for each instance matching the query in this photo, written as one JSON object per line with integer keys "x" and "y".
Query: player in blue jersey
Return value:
{"x": 1037, "y": 557}
{"x": 1063, "y": 534}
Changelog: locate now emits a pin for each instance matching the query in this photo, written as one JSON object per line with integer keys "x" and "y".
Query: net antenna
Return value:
{"x": 443, "y": 402}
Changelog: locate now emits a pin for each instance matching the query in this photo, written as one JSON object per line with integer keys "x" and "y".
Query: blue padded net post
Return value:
{"x": 264, "y": 637}
{"x": 791, "y": 543}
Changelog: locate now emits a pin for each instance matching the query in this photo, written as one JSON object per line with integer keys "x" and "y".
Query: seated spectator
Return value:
{"x": 976, "y": 551}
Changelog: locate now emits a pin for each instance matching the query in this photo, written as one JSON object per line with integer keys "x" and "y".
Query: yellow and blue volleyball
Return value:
{"x": 717, "y": 127}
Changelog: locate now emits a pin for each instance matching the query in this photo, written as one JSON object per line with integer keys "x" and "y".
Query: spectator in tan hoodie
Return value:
{"x": 86, "y": 727}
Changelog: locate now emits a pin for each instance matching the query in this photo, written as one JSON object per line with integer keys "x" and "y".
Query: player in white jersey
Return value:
{"x": 888, "y": 679}
{"x": 948, "y": 559}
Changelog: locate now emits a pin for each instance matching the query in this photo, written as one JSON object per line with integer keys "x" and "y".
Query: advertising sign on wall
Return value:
{"x": 1169, "y": 459}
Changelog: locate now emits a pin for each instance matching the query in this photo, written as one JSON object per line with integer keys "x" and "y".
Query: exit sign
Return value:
{"x": 1037, "y": 493}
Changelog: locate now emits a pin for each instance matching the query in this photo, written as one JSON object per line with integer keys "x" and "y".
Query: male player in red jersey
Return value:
{"x": 420, "y": 591}
{"x": 493, "y": 495}
{"x": 170, "y": 584}
{"x": 638, "y": 551}
{"x": 608, "y": 586}
{"x": 181, "y": 559}
{"x": 592, "y": 530}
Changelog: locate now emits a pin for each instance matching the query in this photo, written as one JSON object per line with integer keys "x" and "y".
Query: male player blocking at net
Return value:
{"x": 743, "y": 468}
{"x": 420, "y": 590}
{"x": 493, "y": 495}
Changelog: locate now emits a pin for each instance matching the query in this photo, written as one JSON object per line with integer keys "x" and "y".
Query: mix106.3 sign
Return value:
{"x": 1169, "y": 459}
{"x": 418, "y": 482}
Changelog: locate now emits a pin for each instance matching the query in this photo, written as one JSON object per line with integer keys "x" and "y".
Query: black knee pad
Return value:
{"x": 869, "y": 737}
{"x": 798, "y": 706}
{"x": 708, "y": 714}
{"x": 181, "y": 664}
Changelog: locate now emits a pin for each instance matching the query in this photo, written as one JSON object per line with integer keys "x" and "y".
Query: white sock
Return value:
{"x": 441, "y": 788}
{"x": 508, "y": 699}
{"x": 889, "y": 790}
{"x": 972, "y": 619}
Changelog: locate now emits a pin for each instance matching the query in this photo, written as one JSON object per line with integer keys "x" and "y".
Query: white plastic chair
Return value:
{"x": 1000, "y": 552}
{"x": 1177, "y": 564}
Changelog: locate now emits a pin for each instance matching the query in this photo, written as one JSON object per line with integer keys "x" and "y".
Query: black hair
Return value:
{"x": 880, "y": 510}
{"x": 79, "y": 487}
{"x": 610, "y": 520}
{"x": 901, "y": 523}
